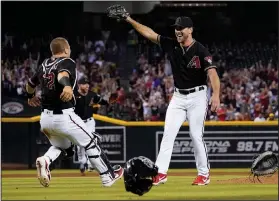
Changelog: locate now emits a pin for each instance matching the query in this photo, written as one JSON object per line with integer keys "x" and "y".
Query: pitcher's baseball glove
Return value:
{"x": 264, "y": 164}
{"x": 118, "y": 12}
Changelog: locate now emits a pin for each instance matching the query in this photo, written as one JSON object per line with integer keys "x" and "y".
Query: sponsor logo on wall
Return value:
{"x": 12, "y": 107}
{"x": 223, "y": 146}
{"x": 113, "y": 143}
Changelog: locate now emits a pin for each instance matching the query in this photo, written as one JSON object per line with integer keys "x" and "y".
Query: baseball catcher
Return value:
{"x": 138, "y": 174}
{"x": 264, "y": 164}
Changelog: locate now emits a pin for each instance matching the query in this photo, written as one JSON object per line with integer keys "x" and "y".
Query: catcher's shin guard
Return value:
{"x": 99, "y": 160}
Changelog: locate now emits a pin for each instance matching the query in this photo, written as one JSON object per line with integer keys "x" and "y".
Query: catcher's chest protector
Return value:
{"x": 138, "y": 173}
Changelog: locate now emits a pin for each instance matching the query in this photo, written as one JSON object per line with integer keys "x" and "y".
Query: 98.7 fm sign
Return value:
{"x": 223, "y": 146}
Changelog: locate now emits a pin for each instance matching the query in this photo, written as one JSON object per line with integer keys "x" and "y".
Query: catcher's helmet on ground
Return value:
{"x": 138, "y": 173}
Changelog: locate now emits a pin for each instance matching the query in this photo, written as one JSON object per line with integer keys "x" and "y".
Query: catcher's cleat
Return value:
{"x": 108, "y": 180}
{"x": 201, "y": 180}
{"x": 43, "y": 172}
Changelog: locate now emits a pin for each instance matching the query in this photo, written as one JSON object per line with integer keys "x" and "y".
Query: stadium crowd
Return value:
{"x": 249, "y": 78}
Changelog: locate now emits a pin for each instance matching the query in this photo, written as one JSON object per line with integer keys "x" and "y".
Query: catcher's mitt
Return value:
{"x": 265, "y": 164}
{"x": 118, "y": 12}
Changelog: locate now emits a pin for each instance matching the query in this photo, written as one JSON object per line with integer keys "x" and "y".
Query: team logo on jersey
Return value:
{"x": 208, "y": 59}
{"x": 194, "y": 63}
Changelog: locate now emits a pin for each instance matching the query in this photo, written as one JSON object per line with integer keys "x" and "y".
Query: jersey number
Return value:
{"x": 49, "y": 80}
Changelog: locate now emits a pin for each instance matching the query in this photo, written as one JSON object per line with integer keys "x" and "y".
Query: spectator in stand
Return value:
{"x": 264, "y": 98}
{"x": 260, "y": 118}
{"x": 248, "y": 72}
{"x": 271, "y": 117}
{"x": 146, "y": 108}
{"x": 221, "y": 113}
{"x": 155, "y": 112}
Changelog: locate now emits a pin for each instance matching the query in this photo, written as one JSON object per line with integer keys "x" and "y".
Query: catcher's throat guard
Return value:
{"x": 138, "y": 174}
{"x": 264, "y": 164}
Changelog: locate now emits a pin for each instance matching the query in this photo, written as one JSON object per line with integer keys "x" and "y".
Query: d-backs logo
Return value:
{"x": 194, "y": 63}
{"x": 208, "y": 59}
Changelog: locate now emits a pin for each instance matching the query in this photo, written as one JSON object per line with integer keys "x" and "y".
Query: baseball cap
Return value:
{"x": 183, "y": 22}
{"x": 83, "y": 80}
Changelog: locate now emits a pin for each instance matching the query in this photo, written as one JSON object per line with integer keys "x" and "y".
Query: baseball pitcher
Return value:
{"x": 191, "y": 66}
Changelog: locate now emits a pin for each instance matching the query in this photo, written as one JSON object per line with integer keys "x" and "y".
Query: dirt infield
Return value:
{"x": 263, "y": 180}
{"x": 94, "y": 174}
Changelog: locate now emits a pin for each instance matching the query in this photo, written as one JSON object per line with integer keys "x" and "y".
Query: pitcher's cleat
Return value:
{"x": 159, "y": 179}
{"x": 201, "y": 180}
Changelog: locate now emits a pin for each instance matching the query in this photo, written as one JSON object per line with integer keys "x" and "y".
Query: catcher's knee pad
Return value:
{"x": 138, "y": 173}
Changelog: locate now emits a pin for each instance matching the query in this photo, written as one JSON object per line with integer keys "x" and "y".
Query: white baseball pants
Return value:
{"x": 64, "y": 129}
{"x": 193, "y": 107}
{"x": 82, "y": 158}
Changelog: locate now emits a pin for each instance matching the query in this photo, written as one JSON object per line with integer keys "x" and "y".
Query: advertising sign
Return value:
{"x": 223, "y": 146}
{"x": 113, "y": 143}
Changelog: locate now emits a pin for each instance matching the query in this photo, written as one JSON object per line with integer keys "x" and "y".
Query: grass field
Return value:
{"x": 67, "y": 185}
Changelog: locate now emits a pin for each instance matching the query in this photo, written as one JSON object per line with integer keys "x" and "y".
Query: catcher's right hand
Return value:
{"x": 34, "y": 102}
{"x": 118, "y": 12}
{"x": 67, "y": 94}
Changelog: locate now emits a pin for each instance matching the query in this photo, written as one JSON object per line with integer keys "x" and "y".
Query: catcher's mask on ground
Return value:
{"x": 138, "y": 173}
